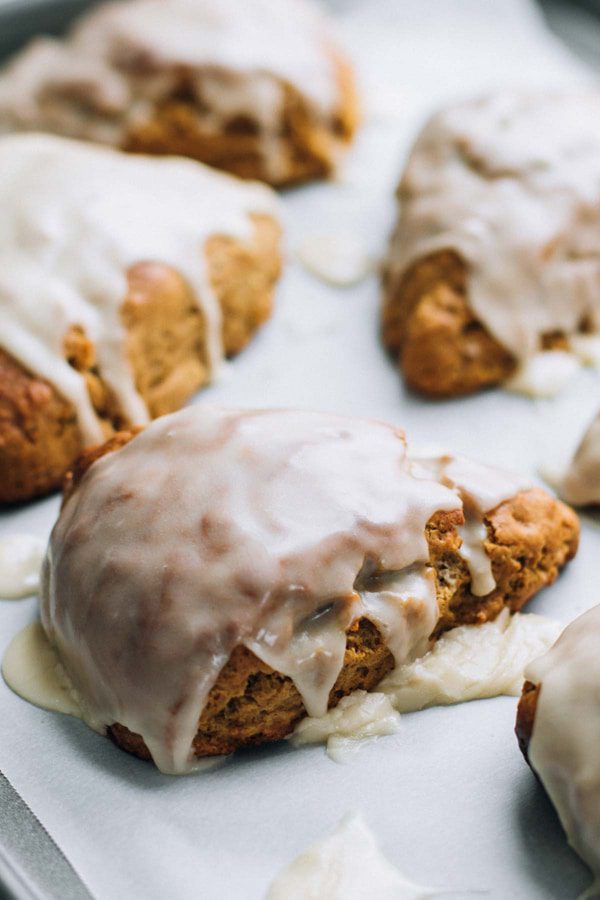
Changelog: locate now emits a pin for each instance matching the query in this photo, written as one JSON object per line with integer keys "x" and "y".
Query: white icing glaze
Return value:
{"x": 32, "y": 669}
{"x": 512, "y": 184}
{"x": 271, "y": 529}
{"x": 358, "y": 718}
{"x": 586, "y": 348}
{"x": 339, "y": 259}
{"x": 563, "y": 748}
{"x": 123, "y": 59}
{"x": 472, "y": 662}
{"x": 581, "y": 482}
{"x": 474, "y": 534}
{"x": 21, "y": 558}
{"x": 74, "y": 219}
{"x": 545, "y": 374}
{"x": 347, "y": 865}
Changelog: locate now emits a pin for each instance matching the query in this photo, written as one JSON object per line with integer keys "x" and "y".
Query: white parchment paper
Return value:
{"x": 449, "y": 797}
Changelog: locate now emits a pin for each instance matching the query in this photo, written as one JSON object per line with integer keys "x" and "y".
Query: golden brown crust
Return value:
{"x": 39, "y": 435}
{"x": 526, "y": 715}
{"x": 32, "y": 417}
{"x": 442, "y": 349}
{"x": 251, "y": 704}
{"x": 530, "y": 537}
{"x": 310, "y": 146}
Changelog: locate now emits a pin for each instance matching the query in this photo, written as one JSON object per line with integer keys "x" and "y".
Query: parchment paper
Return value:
{"x": 449, "y": 797}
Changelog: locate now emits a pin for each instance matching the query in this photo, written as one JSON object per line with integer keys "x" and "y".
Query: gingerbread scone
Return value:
{"x": 222, "y": 574}
{"x": 123, "y": 282}
{"x": 558, "y": 728}
{"x": 495, "y": 257}
{"x": 257, "y": 88}
{"x": 580, "y": 484}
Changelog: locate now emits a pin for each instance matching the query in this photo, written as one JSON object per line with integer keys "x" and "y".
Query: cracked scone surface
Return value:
{"x": 494, "y": 257}
{"x": 530, "y": 536}
{"x": 259, "y": 89}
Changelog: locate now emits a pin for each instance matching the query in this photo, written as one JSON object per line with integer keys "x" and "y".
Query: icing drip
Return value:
{"x": 21, "y": 558}
{"x": 74, "y": 219}
{"x": 474, "y": 534}
{"x": 512, "y": 184}
{"x": 347, "y": 865}
{"x": 563, "y": 748}
{"x": 360, "y": 717}
{"x": 123, "y": 59}
{"x": 581, "y": 484}
{"x": 481, "y": 489}
{"x": 32, "y": 669}
{"x": 272, "y": 529}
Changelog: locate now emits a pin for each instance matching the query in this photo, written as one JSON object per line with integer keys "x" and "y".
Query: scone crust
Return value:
{"x": 526, "y": 716}
{"x": 427, "y": 325}
{"x": 530, "y": 537}
{"x": 442, "y": 349}
{"x": 39, "y": 434}
{"x": 311, "y": 146}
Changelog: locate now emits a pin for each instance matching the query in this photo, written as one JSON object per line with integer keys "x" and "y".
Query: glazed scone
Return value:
{"x": 558, "y": 728}
{"x": 257, "y": 88}
{"x": 495, "y": 257}
{"x": 223, "y": 573}
{"x": 123, "y": 281}
{"x": 581, "y": 482}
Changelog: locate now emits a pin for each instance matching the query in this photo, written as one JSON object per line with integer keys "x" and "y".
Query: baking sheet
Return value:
{"x": 449, "y": 797}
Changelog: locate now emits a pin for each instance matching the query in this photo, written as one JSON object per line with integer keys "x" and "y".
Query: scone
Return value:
{"x": 580, "y": 484}
{"x": 223, "y": 573}
{"x": 256, "y": 87}
{"x": 495, "y": 257}
{"x": 558, "y": 728}
{"x": 123, "y": 281}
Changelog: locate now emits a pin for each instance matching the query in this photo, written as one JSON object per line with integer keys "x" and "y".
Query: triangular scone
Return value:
{"x": 123, "y": 281}
{"x": 257, "y": 88}
{"x": 222, "y": 573}
{"x": 558, "y": 729}
{"x": 495, "y": 259}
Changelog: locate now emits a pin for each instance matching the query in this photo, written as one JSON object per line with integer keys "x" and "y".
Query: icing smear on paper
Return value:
{"x": 21, "y": 558}
{"x": 339, "y": 259}
{"x": 470, "y": 662}
{"x": 346, "y": 865}
{"x": 358, "y": 718}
